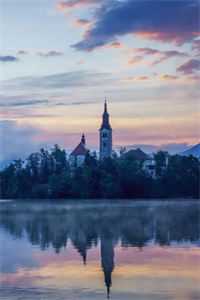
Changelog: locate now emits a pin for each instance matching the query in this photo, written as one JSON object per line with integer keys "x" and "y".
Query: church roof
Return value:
{"x": 80, "y": 149}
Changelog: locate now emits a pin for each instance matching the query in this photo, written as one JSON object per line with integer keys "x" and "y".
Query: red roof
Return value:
{"x": 79, "y": 150}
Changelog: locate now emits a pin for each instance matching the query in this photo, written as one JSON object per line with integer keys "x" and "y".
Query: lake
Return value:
{"x": 120, "y": 250}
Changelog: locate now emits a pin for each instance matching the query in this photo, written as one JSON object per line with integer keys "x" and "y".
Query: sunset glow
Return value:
{"x": 58, "y": 71}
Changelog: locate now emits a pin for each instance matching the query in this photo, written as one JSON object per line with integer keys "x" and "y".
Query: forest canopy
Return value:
{"x": 48, "y": 175}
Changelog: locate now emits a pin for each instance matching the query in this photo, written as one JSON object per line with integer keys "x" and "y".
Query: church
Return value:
{"x": 77, "y": 157}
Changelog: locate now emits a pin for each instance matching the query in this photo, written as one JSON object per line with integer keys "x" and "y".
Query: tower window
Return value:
{"x": 104, "y": 144}
{"x": 104, "y": 135}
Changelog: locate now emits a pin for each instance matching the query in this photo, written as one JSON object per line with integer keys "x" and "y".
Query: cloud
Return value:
{"x": 165, "y": 55}
{"x": 135, "y": 60}
{"x": 66, "y": 5}
{"x": 51, "y": 53}
{"x": 82, "y": 22}
{"x": 143, "y": 78}
{"x": 22, "y": 52}
{"x": 168, "y": 77}
{"x": 154, "y": 77}
{"x": 160, "y": 56}
{"x": 74, "y": 103}
{"x": 16, "y": 141}
{"x": 80, "y": 62}
{"x": 20, "y": 103}
{"x": 146, "y": 51}
{"x": 115, "y": 45}
{"x": 167, "y": 21}
{"x": 195, "y": 78}
{"x": 8, "y": 58}
{"x": 190, "y": 67}
{"x": 196, "y": 47}
{"x": 140, "y": 78}
{"x": 59, "y": 81}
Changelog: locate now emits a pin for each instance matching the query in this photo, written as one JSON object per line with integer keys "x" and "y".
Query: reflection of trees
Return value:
{"x": 130, "y": 226}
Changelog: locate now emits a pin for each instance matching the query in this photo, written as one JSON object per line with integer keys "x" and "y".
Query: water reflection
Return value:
{"x": 111, "y": 227}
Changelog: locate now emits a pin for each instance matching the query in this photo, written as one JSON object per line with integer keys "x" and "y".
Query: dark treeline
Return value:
{"x": 48, "y": 175}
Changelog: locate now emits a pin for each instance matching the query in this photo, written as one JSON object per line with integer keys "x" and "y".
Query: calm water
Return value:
{"x": 85, "y": 251}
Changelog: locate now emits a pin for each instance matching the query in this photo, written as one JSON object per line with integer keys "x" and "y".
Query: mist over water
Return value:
{"x": 122, "y": 250}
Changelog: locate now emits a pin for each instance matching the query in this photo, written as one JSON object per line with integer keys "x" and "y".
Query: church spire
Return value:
{"x": 105, "y": 106}
{"x": 83, "y": 139}
{"x": 105, "y": 121}
{"x": 105, "y": 134}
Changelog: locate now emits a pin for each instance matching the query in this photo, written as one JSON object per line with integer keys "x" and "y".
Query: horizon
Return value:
{"x": 67, "y": 56}
{"x": 171, "y": 149}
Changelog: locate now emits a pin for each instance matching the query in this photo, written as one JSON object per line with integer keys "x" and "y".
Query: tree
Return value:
{"x": 47, "y": 174}
{"x": 59, "y": 159}
{"x": 161, "y": 158}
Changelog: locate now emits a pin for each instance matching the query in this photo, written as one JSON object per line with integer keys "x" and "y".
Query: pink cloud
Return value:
{"x": 143, "y": 78}
{"x": 135, "y": 60}
{"x": 82, "y": 22}
{"x": 146, "y": 51}
{"x": 159, "y": 55}
{"x": 189, "y": 67}
{"x": 153, "y": 77}
{"x": 196, "y": 46}
{"x": 168, "y": 77}
{"x": 116, "y": 45}
{"x": 167, "y": 36}
{"x": 70, "y": 4}
{"x": 81, "y": 62}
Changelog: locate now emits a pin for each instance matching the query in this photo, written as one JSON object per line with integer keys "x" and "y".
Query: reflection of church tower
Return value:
{"x": 105, "y": 135}
{"x": 107, "y": 261}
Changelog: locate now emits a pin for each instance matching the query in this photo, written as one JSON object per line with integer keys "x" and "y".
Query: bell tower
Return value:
{"x": 105, "y": 134}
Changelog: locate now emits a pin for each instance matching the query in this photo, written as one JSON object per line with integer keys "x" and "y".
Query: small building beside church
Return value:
{"x": 77, "y": 157}
{"x": 149, "y": 166}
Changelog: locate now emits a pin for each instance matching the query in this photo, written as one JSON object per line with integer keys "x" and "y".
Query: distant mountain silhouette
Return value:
{"x": 195, "y": 151}
{"x": 172, "y": 148}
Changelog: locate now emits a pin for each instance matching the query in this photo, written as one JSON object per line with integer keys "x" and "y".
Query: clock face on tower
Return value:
{"x": 105, "y": 135}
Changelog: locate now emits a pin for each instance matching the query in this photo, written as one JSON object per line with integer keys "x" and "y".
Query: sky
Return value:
{"x": 60, "y": 59}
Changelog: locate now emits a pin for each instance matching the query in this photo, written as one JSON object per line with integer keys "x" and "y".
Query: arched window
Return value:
{"x": 104, "y": 144}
